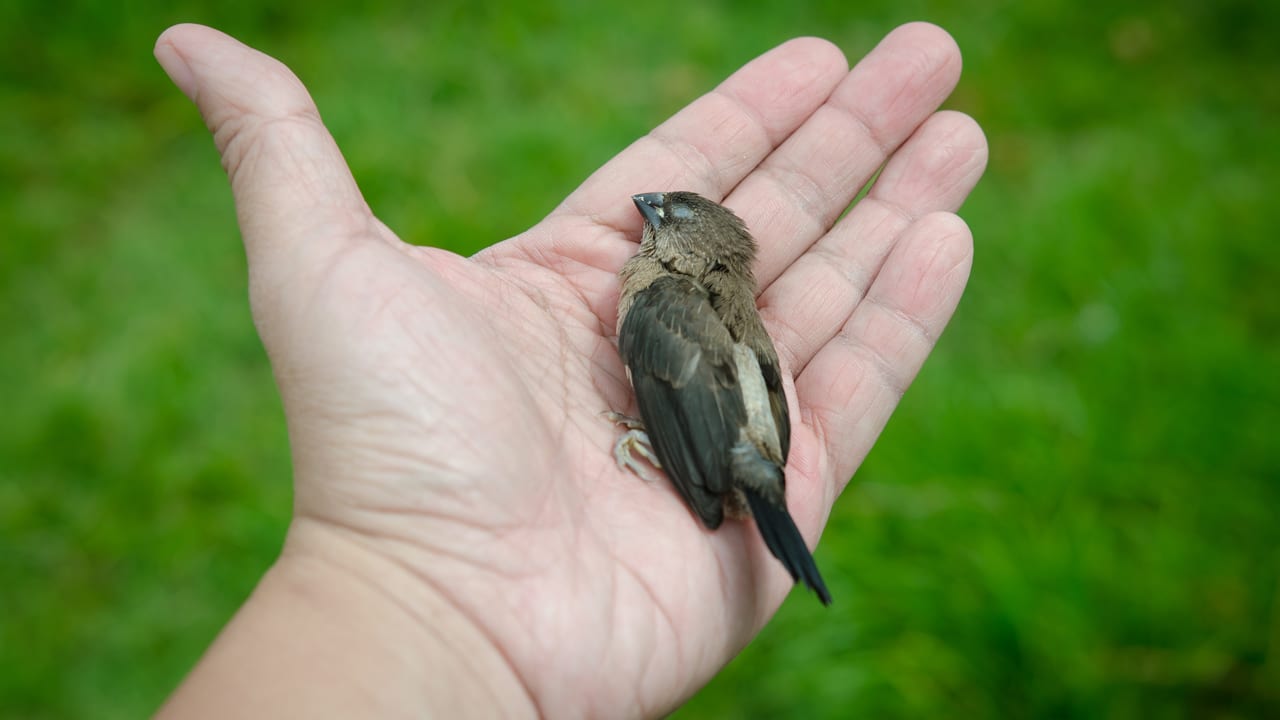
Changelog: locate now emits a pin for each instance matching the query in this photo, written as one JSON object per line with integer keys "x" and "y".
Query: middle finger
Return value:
{"x": 795, "y": 195}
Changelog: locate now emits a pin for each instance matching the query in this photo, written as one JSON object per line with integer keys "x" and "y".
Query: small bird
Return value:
{"x": 708, "y": 386}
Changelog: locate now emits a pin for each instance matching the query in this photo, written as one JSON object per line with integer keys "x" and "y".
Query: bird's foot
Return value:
{"x": 634, "y": 440}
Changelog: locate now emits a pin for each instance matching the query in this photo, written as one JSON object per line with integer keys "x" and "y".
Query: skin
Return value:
{"x": 463, "y": 543}
{"x": 706, "y": 376}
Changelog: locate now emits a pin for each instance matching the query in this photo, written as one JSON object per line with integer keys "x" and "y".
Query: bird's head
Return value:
{"x": 682, "y": 223}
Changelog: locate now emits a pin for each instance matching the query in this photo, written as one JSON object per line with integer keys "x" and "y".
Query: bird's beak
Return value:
{"x": 650, "y": 206}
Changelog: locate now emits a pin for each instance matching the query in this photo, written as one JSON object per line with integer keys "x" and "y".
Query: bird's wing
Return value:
{"x": 681, "y": 360}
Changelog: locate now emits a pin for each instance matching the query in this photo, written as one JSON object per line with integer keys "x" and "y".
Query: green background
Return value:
{"x": 1075, "y": 512}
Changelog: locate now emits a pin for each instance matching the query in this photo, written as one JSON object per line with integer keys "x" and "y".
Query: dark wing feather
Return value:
{"x": 681, "y": 360}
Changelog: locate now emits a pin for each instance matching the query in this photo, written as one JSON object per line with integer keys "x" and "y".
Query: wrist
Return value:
{"x": 336, "y": 629}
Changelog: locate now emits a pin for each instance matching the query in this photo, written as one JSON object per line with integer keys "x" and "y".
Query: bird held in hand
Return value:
{"x": 708, "y": 386}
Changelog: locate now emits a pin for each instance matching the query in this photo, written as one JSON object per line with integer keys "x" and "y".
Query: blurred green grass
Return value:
{"x": 1075, "y": 512}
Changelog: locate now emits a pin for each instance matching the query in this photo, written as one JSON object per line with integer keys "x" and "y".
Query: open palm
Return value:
{"x": 446, "y": 413}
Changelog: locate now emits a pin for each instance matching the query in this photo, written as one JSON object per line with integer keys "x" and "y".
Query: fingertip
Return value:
{"x": 930, "y": 268}
{"x": 969, "y": 136}
{"x": 951, "y": 232}
{"x": 967, "y": 130}
{"x": 197, "y": 57}
{"x": 174, "y": 64}
{"x": 937, "y": 167}
{"x": 927, "y": 34}
{"x": 930, "y": 48}
{"x": 788, "y": 82}
{"x": 818, "y": 52}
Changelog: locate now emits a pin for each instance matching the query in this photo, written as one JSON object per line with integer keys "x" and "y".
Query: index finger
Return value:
{"x": 713, "y": 143}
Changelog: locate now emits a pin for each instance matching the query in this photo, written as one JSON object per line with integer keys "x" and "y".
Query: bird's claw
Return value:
{"x": 634, "y": 440}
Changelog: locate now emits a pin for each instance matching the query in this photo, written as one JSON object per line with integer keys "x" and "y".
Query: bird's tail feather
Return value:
{"x": 783, "y": 539}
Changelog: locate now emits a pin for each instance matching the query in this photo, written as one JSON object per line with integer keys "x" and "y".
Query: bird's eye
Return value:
{"x": 682, "y": 212}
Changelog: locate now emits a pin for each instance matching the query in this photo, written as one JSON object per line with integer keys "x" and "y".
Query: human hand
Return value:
{"x": 461, "y": 530}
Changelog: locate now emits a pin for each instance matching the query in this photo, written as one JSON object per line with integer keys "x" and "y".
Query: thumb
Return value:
{"x": 296, "y": 202}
